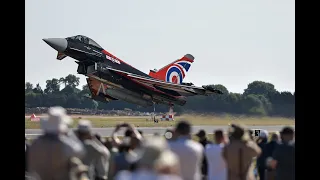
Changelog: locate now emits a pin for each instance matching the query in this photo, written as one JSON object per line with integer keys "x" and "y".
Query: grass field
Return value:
{"x": 195, "y": 120}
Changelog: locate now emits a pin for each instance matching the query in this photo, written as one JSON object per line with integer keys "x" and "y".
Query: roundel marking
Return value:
{"x": 174, "y": 75}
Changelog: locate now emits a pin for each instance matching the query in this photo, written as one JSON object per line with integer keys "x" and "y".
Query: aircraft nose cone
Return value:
{"x": 59, "y": 44}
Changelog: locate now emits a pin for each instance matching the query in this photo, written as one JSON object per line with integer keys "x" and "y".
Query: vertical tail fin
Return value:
{"x": 174, "y": 72}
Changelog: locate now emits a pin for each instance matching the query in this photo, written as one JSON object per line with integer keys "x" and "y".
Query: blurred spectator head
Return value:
{"x": 125, "y": 145}
{"x": 287, "y": 134}
{"x": 251, "y": 134}
{"x": 264, "y": 134}
{"x": 168, "y": 163}
{"x": 155, "y": 154}
{"x": 134, "y": 143}
{"x": 201, "y": 134}
{"x": 57, "y": 121}
{"x": 218, "y": 136}
{"x": 239, "y": 132}
{"x": 84, "y": 129}
{"x": 112, "y": 142}
{"x": 128, "y": 133}
{"x": 275, "y": 136}
{"x": 183, "y": 128}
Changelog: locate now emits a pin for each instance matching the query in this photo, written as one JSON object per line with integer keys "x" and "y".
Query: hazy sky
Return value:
{"x": 234, "y": 42}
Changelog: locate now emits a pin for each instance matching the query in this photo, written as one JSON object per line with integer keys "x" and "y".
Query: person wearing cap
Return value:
{"x": 190, "y": 152}
{"x": 217, "y": 169}
{"x": 204, "y": 141}
{"x": 239, "y": 153}
{"x": 261, "y": 160}
{"x": 49, "y": 155}
{"x": 97, "y": 156}
{"x": 283, "y": 157}
{"x": 154, "y": 160}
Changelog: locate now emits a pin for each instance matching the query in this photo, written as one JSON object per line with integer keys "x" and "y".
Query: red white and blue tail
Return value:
{"x": 174, "y": 72}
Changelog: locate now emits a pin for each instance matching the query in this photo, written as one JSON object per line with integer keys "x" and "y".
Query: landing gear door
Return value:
{"x": 92, "y": 68}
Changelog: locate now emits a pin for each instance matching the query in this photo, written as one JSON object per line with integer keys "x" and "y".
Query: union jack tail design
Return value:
{"x": 174, "y": 72}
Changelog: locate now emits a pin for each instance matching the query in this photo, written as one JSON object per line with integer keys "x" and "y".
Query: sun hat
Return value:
{"x": 154, "y": 152}
{"x": 57, "y": 120}
{"x": 84, "y": 126}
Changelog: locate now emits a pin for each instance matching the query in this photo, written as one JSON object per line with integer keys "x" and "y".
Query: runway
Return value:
{"x": 31, "y": 133}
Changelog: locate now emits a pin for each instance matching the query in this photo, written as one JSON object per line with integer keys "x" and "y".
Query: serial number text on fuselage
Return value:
{"x": 113, "y": 59}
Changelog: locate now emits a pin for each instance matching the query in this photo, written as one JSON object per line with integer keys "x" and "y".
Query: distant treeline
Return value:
{"x": 259, "y": 98}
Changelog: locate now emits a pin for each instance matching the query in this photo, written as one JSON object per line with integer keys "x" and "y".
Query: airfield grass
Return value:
{"x": 145, "y": 121}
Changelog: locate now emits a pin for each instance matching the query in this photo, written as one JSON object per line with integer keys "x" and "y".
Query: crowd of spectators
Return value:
{"x": 65, "y": 154}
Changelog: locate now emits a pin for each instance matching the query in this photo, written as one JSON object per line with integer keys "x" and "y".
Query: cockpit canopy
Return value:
{"x": 85, "y": 39}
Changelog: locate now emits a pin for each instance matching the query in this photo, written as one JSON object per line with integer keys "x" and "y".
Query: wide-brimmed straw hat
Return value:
{"x": 154, "y": 152}
{"x": 57, "y": 120}
{"x": 84, "y": 126}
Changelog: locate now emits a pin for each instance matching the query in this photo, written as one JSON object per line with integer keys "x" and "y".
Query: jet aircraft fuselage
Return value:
{"x": 110, "y": 78}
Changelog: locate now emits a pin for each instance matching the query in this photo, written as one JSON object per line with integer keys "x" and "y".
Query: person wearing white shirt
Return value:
{"x": 217, "y": 169}
{"x": 189, "y": 152}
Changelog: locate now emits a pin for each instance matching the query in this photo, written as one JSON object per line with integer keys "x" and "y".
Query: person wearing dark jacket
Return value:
{"x": 204, "y": 141}
{"x": 261, "y": 160}
{"x": 268, "y": 151}
{"x": 283, "y": 157}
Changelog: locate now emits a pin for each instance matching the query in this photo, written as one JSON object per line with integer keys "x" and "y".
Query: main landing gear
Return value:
{"x": 170, "y": 113}
{"x": 153, "y": 116}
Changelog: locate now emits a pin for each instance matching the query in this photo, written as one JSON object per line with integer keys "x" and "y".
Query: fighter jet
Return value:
{"x": 109, "y": 78}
